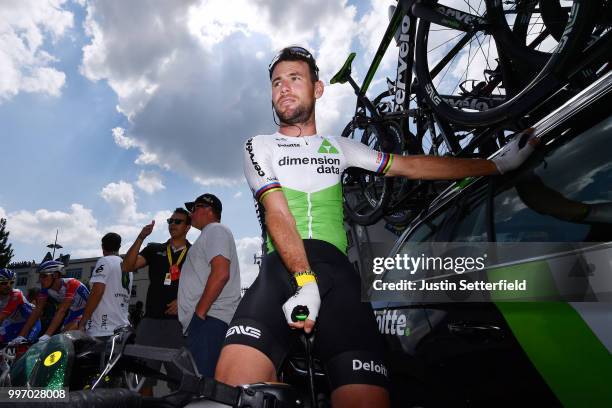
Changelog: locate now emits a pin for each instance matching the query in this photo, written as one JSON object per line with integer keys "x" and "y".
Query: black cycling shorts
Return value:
{"x": 347, "y": 340}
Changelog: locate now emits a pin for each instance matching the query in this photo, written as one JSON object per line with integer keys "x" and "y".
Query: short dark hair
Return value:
{"x": 296, "y": 53}
{"x": 111, "y": 242}
{"x": 183, "y": 211}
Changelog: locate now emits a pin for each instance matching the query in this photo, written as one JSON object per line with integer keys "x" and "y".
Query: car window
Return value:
{"x": 471, "y": 225}
{"x": 552, "y": 202}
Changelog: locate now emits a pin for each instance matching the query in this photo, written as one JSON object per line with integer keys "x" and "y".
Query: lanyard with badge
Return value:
{"x": 173, "y": 272}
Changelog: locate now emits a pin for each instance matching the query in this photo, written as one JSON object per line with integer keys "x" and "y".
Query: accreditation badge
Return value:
{"x": 175, "y": 272}
{"x": 168, "y": 279}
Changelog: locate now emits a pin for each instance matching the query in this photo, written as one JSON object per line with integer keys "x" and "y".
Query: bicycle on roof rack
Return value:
{"x": 492, "y": 50}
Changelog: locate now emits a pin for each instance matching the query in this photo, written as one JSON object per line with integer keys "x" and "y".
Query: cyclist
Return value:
{"x": 15, "y": 310}
{"x": 70, "y": 294}
{"x": 295, "y": 177}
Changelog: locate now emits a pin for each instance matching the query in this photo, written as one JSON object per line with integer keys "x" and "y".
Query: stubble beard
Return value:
{"x": 301, "y": 114}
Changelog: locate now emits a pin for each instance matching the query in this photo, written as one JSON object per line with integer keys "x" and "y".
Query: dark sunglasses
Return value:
{"x": 195, "y": 207}
{"x": 176, "y": 221}
{"x": 4, "y": 283}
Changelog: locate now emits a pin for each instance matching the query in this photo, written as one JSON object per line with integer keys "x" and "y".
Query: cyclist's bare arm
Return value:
{"x": 60, "y": 314}
{"x": 281, "y": 226}
{"x": 283, "y": 231}
{"x": 36, "y": 312}
{"x": 508, "y": 158}
{"x": 440, "y": 168}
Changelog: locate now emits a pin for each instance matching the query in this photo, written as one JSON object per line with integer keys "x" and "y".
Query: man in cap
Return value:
{"x": 209, "y": 289}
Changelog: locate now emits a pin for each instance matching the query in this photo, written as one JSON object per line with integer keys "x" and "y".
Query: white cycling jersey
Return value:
{"x": 307, "y": 170}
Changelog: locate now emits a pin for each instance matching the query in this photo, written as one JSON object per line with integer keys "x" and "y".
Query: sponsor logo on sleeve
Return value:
{"x": 256, "y": 166}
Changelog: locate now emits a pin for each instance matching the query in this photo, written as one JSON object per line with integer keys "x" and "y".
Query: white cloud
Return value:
{"x": 25, "y": 25}
{"x": 238, "y": 194}
{"x": 192, "y": 78}
{"x": 122, "y": 199}
{"x": 246, "y": 248}
{"x": 77, "y": 227}
{"x": 150, "y": 182}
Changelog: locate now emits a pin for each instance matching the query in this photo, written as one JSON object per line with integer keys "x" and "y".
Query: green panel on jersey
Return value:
{"x": 318, "y": 215}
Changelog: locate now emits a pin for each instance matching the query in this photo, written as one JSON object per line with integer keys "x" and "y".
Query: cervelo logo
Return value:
{"x": 465, "y": 18}
{"x": 249, "y": 148}
{"x": 246, "y": 330}
{"x": 369, "y": 366}
{"x": 400, "y": 83}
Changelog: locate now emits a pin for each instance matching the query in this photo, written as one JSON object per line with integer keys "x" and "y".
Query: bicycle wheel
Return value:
{"x": 365, "y": 194}
{"x": 469, "y": 78}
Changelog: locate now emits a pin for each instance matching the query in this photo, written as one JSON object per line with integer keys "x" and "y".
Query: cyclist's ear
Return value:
{"x": 318, "y": 89}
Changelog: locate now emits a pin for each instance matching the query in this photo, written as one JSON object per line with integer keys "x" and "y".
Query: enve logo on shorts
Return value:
{"x": 246, "y": 330}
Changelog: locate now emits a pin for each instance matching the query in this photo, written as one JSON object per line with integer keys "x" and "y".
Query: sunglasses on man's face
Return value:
{"x": 4, "y": 283}
{"x": 195, "y": 207}
{"x": 176, "y": 221}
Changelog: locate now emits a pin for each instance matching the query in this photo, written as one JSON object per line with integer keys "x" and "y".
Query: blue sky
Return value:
{"x": 113, "y": 112}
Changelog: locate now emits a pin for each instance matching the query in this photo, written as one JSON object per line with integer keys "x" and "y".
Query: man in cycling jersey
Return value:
{"x": 108, "y": 302}
{"x": 70, "y": 294}
{"x": 295, "y": 177}
{"x": 15, "y": 309}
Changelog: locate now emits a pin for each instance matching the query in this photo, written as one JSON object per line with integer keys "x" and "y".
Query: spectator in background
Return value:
{"x": 159, "y": 326}
{"x": 107, "y": 306}
{"x": 209, "y": 290}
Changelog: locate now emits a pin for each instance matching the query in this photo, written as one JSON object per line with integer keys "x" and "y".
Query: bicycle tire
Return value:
{"x": 365, "y": 195}
{"x": 514, "y": 40}
{"x": 575, "y": 35}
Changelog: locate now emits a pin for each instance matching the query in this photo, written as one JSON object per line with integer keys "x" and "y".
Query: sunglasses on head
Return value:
{"x": 176, "y": 221}
{"x": 298, "y": 52}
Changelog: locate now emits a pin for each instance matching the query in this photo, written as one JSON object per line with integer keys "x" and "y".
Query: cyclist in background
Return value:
{"x": 295, "y": 177}
{"x": 15, "y": 310}
{"x": 69, "y": 293}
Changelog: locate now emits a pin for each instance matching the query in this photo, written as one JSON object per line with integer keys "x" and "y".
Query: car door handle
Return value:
{"x": 476, "y": 330}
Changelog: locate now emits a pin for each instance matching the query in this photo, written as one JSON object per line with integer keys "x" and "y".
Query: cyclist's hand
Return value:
{"x": 306, "y": 295}
{"x": 44, "y": 338}
{"x": 146, "y": 230}
{"x": 17, "y": 340}
{"x": 513, "y": 154}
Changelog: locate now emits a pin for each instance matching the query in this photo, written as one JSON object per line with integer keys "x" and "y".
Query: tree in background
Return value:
{"x": 6, "y": 250}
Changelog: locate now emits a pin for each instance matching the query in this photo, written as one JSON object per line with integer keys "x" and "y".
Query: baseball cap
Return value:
{"x": 208, "y": 199}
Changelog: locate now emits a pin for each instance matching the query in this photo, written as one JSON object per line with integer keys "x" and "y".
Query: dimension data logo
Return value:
{"x": 327, "y": 147}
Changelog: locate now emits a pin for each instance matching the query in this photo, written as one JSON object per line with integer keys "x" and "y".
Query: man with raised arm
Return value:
{"x": 295, "y": 177}
{"x": 160, "y": 326}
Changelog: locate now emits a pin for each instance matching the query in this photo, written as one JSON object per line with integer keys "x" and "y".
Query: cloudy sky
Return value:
{"x": 115, "y": 112}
